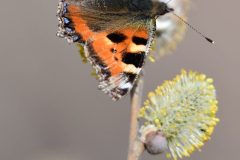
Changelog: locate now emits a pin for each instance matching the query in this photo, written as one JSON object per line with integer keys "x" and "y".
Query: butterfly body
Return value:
{"x": 116, "y": 36}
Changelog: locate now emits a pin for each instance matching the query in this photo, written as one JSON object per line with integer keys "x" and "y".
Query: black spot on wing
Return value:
{"x": 113, "y": 50}
{"x": 136, "y": 59}
{"x": 139, "y": 40}
{"x": 116, "y": 37}
{"x": 116, "y": 59}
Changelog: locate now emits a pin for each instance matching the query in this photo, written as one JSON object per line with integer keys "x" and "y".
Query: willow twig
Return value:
{"x": 136, "y": 147}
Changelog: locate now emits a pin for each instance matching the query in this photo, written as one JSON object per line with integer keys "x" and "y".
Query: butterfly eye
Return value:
{"x": 116, "y": 37}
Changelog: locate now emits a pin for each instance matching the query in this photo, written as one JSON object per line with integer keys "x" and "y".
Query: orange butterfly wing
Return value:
{"x": 117, "y": 54}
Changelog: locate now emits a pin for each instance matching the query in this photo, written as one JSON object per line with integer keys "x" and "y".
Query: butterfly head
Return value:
{"x": 160, "y": 8}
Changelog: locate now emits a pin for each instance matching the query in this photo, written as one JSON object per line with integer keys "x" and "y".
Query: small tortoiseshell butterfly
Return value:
{"x": 116, "y": 36}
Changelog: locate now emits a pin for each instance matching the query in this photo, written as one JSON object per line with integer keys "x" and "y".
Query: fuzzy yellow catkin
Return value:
{"x": 184, "y": 111}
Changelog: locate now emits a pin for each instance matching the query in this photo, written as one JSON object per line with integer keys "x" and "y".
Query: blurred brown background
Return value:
{"x": 50, "y": 108}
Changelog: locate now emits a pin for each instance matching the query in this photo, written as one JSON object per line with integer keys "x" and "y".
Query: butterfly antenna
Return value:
{"x": 194, "y": 29}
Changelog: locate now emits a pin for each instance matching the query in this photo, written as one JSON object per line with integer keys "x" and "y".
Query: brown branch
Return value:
{"x": 136, "y": 147}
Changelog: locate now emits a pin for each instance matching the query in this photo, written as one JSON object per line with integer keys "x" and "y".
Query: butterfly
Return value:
{"x": 116, "y": 35}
